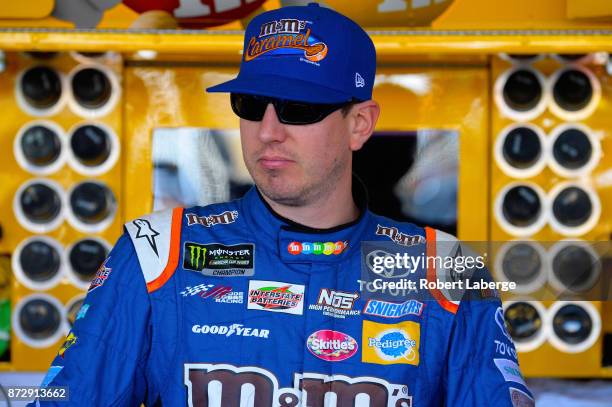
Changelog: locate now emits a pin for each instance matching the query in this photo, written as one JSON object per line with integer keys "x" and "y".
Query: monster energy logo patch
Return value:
{"x": 219, "y": 260}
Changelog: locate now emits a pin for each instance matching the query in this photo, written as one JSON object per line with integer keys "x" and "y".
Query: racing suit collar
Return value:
{"x": 297, "y": 243}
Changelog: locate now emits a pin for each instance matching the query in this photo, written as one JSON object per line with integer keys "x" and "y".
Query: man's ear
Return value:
{"x": 362, "y": 121}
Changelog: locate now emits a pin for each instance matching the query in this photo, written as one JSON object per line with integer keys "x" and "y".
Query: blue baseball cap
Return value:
{"x": 309, "y": 54}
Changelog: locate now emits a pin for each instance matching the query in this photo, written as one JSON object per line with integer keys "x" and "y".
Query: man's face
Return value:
{"x": 294, "y": 165}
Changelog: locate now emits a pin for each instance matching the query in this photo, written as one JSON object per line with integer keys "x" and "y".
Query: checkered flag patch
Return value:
{"x": 190, "y": 291}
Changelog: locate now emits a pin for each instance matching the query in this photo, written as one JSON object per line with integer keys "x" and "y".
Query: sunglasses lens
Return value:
{"x": 253, "y": 108}
{"x": 249, "y": 107}
{"x": 301, "y": 113}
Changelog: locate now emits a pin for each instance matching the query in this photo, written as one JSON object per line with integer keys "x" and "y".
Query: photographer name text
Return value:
{"x": 425, "y": 284}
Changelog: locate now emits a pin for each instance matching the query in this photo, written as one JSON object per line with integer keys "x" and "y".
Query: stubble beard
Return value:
{"x": 271, "y": 184}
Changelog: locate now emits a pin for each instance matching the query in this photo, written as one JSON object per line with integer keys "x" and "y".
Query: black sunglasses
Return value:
{"x": 252, "y": 107}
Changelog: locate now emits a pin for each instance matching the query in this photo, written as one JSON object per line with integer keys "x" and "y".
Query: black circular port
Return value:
{"x": 575, "y": 267}
{"x": 573, "y": 90}
{"x": 572, "y": 207}
{"x": 521, "y": 206}
{"x": 522, "y": 147}
{"x": 523, "y": 321}
{"x": 91, "y": 54}
{"x": 86, "y": 257}
{"x": 522, "y": 264}
{"x": 41, "y": 146}
{"x": 39, "y": 319}
{"x": 41, "y": 87}
{"x": 43, "y": 56}
{"x": 39, "y": 261}
{"x": 40, "y": 203}
{"x": 91, "y": 88}
{"x": 522, "y": 90}
{"x": 572, "y": 324}
{"x": 91, "y": 202}
{"x": 572, "y": 149}
{"x": 523, "y": 57}
{"x": 73, "y": 311}
{"x": 572, "y": 57}
{"x": 91, "y": 145}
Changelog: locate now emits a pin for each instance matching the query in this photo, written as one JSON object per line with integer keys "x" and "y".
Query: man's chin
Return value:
{"x": 284, "y": 193}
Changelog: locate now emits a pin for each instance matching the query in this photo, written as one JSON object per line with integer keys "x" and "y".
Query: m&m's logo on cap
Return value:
{"x": 286, "y": 37}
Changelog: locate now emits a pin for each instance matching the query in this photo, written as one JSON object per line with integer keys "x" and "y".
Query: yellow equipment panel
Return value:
{"x": 548, "y": 178}
{"x": 600, "y": 9}
{"x": 26, "y": 9}
{"x": 68, "y": 118}
{"x": 599, "y": 122}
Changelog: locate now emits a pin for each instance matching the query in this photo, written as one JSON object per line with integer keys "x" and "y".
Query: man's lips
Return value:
{"x": 274, "y": 162}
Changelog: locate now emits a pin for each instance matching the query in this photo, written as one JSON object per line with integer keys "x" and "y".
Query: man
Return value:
{"x": 261, "y": 301}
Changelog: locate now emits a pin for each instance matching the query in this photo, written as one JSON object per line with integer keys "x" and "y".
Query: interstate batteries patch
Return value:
{"x": 276, "y": 296}
{"x": 219, "y": 260}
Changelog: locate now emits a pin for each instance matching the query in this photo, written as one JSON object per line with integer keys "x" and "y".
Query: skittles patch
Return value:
{"x": 286, "y": 37}
{"x": 331, "y": 346}
{"x": 388, "y": 344}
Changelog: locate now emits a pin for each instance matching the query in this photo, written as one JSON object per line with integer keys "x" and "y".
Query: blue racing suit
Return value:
{"x": 214, "y": 305}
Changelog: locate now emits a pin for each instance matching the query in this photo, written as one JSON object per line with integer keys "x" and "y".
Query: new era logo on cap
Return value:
{"x": 359, "y": 82}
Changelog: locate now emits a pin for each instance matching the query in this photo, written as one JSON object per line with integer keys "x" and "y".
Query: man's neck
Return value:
{"x": 336, "y": 208}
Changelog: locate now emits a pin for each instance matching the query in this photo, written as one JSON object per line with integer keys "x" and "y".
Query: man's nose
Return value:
{"x": 271, "y": 129}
